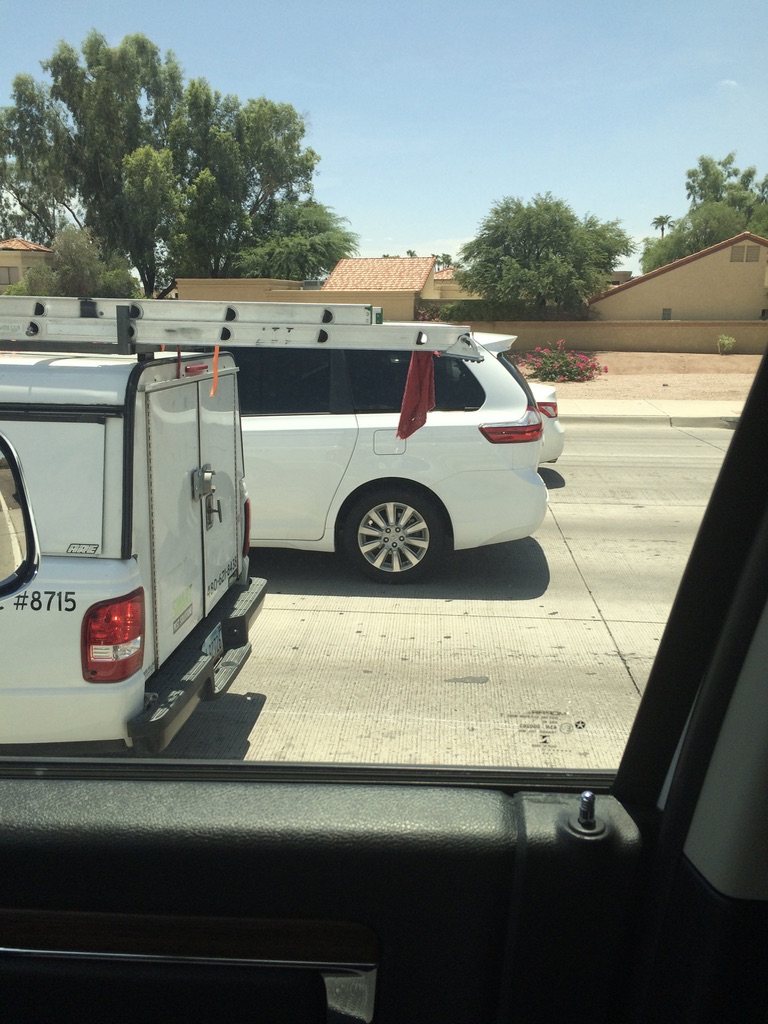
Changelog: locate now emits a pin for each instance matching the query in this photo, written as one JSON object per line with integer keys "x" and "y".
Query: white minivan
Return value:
{"x": 327, "y": 471}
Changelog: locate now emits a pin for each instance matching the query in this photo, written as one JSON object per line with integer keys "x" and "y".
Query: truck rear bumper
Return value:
{"x": 191, "y": 675}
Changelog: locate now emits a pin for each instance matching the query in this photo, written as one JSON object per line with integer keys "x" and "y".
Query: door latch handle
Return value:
{"x": 212, "y": 510}
{"x": 202, "y": 482}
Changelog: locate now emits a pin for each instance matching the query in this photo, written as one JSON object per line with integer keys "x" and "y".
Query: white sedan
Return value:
{"x": 553, "y": 438}
{"x": 545, "y": 395}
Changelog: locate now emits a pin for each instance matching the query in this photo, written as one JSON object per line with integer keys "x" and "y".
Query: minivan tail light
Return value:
{"x": 548, "y": 409}
{"x": 112, "y": 644}
{"x": 527, "y": 429}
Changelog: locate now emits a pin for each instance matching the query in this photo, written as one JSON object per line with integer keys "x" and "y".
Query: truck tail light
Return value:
{"x": 527, "y": 429}
{"x": 112, "y": 645}
{"x": 246, "y": 527}
{"x": 548, "y": 409}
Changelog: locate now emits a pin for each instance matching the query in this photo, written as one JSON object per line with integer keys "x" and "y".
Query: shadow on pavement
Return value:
{"x": 218, "y": 729}
{"x": 516, "y": 571}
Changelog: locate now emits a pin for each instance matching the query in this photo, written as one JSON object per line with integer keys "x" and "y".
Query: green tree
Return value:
{"x": 540, "y": 259}
{"x": 724, "y": 201}
{"x": 178, "y": 179}
{"x": 151, "y": 194}
{"x": 79, "y": 269}
{"x": 703, "y": 226}
{"x": 307, "y": 241}
{"x": 661, "y": 223}
{"x": 70, "y": 140}
{"x": 237, "y": 166}
{"x": 35, "y": 198}
{"x": 720, "y": 181}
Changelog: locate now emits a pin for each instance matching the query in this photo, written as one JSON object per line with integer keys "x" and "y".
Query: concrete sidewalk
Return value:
{"x": 676, "y": 389}
{"x": 673, "y": 413}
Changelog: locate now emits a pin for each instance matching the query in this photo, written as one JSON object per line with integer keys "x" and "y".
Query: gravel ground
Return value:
{"x": 649, "y": 375}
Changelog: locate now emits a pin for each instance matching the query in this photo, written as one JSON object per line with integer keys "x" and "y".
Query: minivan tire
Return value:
{"x": 394, "y": 534}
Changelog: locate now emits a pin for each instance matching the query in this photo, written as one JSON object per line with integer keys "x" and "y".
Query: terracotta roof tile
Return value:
{"x": 19, "y": 244}
{"x": 407, "y": 273}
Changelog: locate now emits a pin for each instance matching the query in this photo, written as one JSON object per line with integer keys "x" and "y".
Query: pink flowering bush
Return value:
{"x": 429, "y": 314}
{"x": 559, "y": 364}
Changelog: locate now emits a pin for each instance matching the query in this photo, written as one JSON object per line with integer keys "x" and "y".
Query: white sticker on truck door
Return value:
{"x": 182, "y": 609}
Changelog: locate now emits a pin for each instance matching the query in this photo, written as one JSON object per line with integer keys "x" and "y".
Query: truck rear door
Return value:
{"x": 193, "y": 454}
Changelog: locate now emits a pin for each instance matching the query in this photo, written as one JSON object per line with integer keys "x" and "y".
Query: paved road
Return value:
{"x": 531, "y": 654}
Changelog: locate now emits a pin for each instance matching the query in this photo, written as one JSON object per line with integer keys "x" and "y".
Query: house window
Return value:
{"x": 753, "y": 254}
{"x": 666, "y": 313}
{"x": 9, "y": 275}
{"x": 737, "y": 253}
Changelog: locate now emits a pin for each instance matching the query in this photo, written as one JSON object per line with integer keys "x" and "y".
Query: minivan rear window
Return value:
{"x": 378, "y": 380}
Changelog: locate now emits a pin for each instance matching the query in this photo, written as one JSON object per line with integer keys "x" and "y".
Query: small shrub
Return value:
{"x": 429, "y": 314}
{"x": 725, "y": 344}
{"x": 559, "y": 364}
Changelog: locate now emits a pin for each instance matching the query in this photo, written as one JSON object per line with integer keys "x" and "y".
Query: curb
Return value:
{"x": 651, "y": 419}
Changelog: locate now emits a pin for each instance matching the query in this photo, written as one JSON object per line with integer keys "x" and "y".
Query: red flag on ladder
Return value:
{"x": 419, "y": 395}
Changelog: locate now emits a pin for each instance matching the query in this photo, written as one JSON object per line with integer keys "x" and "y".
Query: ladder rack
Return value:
{"x": 121, "y": 326}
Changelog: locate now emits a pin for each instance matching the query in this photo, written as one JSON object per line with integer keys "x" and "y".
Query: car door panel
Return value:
{"x": 299, "y": 434}
{"x": 439, "y": 885}
{"x": 301, "y": 460}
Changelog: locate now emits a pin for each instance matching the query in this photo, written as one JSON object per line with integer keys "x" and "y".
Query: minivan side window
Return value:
{"x": 280, "y": 381}
{"x": 378, "y": 381}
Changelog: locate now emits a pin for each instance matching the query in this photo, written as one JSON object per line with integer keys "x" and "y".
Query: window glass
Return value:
{"x": 378, "y": 381}
{"x": 500, "y": 655}
{"x": 275, "y": 381}
{"x": 513, "y": 370}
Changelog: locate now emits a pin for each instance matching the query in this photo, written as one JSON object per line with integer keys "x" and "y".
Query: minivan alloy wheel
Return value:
{"x": 393, "y": 535}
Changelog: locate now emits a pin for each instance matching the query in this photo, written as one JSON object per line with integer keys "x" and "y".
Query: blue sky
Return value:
{"x": 424, "y": 115}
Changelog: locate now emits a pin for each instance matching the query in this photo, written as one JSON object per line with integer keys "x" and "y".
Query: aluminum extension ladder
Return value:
{"x": 47, "y": 324}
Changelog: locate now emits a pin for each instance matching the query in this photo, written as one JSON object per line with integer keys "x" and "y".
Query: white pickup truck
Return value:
{"x": 142, "y": 602}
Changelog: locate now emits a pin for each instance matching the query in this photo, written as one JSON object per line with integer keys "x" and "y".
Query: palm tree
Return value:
{"x": 664, "y": 221}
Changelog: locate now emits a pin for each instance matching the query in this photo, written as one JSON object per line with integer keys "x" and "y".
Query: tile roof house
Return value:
{"x": 17, "y": 256}
{"x": 398, "y": 284}
{"x": 409, "y": 273}
{"x": 22, "y": 245}
{"x": 448, "y": 287}
{"x": 727, "y": 281}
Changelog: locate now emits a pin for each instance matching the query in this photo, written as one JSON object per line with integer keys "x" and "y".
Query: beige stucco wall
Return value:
{"x": 232, "y": 289}
{"x": 451, "y": 291}
{"x": 396, "y": 305}
{"x": 588, "y": 336}
{"x": 708, "y": 288}
{"x": 399, "y": 305}
{"x": 636, "y": 336}
{"x": 431, "y": 289}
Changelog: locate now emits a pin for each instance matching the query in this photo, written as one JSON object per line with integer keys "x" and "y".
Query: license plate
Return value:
{"x": 213, "y": 645}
